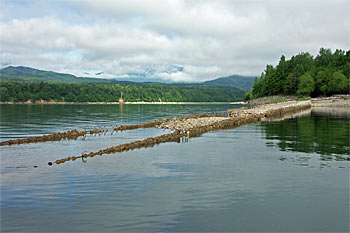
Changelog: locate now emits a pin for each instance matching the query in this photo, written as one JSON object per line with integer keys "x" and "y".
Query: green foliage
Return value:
{"x": 339, "y": 83}
{"x": 248, "y": 95}
{"x": 327, "y": 74}
{"x": 34, "y": 91}
{"x": 306, "y": 84}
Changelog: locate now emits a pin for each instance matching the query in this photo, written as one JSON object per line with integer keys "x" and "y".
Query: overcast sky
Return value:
{"x": 207, "y": 38}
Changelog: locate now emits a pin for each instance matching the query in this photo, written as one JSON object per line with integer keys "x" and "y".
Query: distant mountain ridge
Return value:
{"x": 27, "y": 74}
{"x": 238, "y": 81}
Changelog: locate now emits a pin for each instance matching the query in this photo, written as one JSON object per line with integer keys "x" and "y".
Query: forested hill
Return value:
{"x": 326, "y": 74}
{"x": 151, "y": 92}
{"x": 27, "y": 74}
{"x": 20, "y": 84}
{"x": 238, "y": 81}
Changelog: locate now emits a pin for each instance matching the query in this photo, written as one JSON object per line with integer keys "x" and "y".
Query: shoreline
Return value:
{"x": 115, "y": 103}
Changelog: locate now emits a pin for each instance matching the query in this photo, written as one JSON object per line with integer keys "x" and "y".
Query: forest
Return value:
{"x": 325, "y": 75}
{"x": 69, "y": 92}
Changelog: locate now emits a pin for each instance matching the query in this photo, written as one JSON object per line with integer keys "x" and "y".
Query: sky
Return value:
{"x": 206, "y": 38}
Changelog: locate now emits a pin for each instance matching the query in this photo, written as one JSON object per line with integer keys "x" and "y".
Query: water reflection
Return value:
{"x": 336, "y": 112}
{"x": 224, "y": 181}
{"x": 325, "y": 132}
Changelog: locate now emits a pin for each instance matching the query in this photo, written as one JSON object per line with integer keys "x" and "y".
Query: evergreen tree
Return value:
{"x": 327, "y": 74}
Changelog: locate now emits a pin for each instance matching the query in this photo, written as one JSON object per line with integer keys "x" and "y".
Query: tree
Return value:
{"x": 248, "y": 95}
{"x": 324, "y": 58}
{"x": 338, "y": 83}
{"x": 322, "y": 78}
{"x": 4, "y": 95}
{"x": 306, "y": 84}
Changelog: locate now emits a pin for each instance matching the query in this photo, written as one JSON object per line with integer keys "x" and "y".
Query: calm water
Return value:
{"x": 291, "y": 175}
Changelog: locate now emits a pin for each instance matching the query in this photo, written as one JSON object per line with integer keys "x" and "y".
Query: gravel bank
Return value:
{"x": 238, "y": 116}
{"x": 331, "y": 102}
{"x": 187, "y": 124}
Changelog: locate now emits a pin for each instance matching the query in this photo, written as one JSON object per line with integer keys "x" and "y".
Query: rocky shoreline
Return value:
{"x": 330, "y": 102}
{"x": 238, "y": 115}
{"x": 255, "y": 113}
{"x": 188, "y": 124}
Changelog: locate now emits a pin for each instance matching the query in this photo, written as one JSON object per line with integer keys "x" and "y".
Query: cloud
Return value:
{"x": 208, "y": 38}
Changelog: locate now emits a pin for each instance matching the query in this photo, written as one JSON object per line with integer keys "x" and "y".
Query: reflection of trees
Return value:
{"x": 334, "y": 112}
{"x": 319, "y": 134}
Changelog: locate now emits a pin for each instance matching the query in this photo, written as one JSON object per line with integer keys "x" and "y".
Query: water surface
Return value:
{"x": 273, "y": 176}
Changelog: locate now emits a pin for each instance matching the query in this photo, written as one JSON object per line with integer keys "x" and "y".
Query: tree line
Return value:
{"x": 66, "y": 92}
{"x": 325, "y": 75}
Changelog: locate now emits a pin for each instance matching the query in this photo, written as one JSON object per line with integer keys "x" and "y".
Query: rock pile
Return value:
{"x": 270, "y": 110}
{"x": 188, "y": 124}
{"x": 148, "y": 142}
{"x": 236, "y": 116}
{"x": 75, "y": 134}
{"x": 71, "y": 134}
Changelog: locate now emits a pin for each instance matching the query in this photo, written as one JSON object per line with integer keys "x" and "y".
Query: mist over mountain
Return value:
{"x": 21, "y": 84}
{"x": 28, "y": 74}
{"x": 153, "y": 73}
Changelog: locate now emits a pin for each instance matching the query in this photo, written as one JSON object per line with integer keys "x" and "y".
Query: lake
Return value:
{"x": 289, "y": 175}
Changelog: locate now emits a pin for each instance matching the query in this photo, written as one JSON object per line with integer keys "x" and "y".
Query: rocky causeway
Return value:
{"x": 238, "y": 115}
{"x": 189, "y": 126}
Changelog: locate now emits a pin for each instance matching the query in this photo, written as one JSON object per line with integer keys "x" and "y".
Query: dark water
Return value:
{"x": 291, "y": 175}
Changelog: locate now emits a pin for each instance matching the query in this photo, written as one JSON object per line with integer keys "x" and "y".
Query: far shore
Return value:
{"x": 334, "y": 101}
{"x": 62, "y": 103}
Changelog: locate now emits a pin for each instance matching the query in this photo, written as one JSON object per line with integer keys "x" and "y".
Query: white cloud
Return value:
{"x": 208, "y": 38}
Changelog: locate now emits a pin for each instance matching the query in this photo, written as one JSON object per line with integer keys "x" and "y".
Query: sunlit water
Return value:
{"x": 291, "y": 175}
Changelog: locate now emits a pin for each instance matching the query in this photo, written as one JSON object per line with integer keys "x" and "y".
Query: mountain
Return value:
{"x": 27, "y": 74}
{"x": 223, "y": 89}
{"x": 149, "y": 75}
{"x": 238, "y": 81}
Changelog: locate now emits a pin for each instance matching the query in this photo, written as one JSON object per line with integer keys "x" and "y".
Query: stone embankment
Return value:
{"x": 196, "y": 125}
{"x": 75, "y": 134}
{"x": 188, "y": 124}
{"x": 192, "y": 126}
{"x": 335, "y": 101}
{"x": 238, "y": 116}
{"x": 71, "y": 134}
